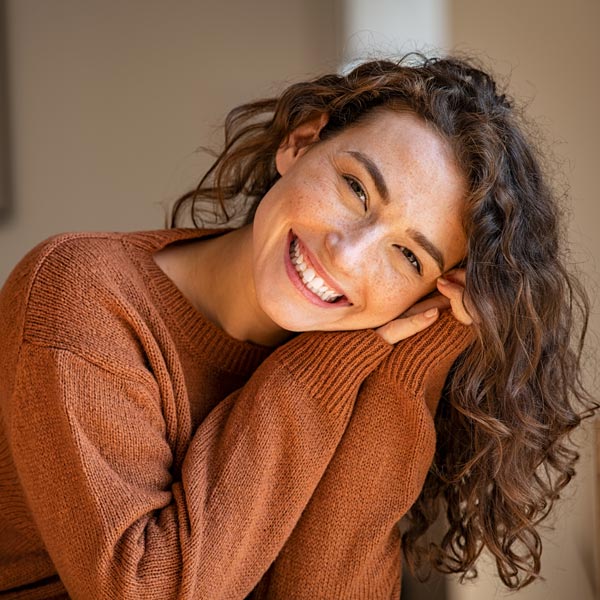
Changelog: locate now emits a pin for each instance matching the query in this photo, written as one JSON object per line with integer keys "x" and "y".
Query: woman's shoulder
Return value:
{"x": 52, "y": 265}
{"x": 77, "y": 247}
{"x": 80, "y": 257}
{"x": 78, "y": 289}
{"x": 56, "y": 268}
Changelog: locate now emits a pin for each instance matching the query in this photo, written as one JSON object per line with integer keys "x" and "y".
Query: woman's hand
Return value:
{"x": 421, "y": 315}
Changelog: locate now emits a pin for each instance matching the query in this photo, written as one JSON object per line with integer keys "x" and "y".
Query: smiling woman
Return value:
{"x": 250, "y": 412}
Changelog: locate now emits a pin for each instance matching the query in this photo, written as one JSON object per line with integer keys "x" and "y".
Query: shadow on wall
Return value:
{"x": 433, "y": 589}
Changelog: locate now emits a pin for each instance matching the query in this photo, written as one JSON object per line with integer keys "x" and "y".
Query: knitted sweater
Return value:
{"x": 146, "y": 454}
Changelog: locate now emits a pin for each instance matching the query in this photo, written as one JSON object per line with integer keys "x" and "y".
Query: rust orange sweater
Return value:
{"x": 145, "y": 454}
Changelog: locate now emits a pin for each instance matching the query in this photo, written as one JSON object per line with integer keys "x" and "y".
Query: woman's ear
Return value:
{"x": 298, "y": 141}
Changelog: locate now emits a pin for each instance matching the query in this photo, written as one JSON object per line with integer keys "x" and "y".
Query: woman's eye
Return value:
{"x": 411, "y": 258}
{"x": 357, "y": 188}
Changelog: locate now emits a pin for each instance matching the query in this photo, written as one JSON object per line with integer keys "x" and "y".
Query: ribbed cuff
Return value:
{"x": 427, "y": 353}
{"x": 333, "y": 364}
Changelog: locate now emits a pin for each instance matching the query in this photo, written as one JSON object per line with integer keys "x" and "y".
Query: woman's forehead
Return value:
{"x": 397, "y": 129}
{"x": 403, "y": 146}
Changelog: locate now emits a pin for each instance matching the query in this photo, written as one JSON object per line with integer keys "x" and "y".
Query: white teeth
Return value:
{"x": 308, "y": 276}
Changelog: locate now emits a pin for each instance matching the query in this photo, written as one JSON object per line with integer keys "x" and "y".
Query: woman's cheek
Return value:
{"x": 399, "y": 292}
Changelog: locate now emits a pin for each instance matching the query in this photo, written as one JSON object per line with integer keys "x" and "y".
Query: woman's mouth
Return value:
{"x": 308, "y": 277}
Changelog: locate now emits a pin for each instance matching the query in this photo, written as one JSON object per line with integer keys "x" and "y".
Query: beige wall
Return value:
{"x": 551, "y": 50}
{"x": 392, "y": 27}
{"x": 110, "y": 99}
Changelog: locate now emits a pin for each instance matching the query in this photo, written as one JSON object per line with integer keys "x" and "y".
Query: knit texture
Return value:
{"x": 146, "y": 454}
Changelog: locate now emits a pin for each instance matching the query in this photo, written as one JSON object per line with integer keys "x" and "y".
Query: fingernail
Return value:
{"x": 430, "y": 313}
{"x": 443, "y": 281}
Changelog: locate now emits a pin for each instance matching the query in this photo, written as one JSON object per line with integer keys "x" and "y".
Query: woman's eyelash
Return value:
{"x": 411, "y": 258}
{"x": 357, "y": 188}
{"x": 359, "y": 192}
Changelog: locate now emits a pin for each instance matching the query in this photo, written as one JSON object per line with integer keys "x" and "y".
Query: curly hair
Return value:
{"x": 511, "y": 399}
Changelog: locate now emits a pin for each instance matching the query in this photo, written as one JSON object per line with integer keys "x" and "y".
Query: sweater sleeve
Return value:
{"x": 347, "y": 542}
{"x": 89, "y": 443}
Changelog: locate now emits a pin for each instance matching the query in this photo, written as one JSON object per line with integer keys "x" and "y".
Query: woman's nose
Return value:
{"x": 350, "y": 251}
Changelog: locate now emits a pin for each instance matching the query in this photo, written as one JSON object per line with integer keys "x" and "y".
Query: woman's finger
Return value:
{"x": 455, "y": 292}
{"x": 434, "y": 301}
{"x": 405, "y": 327}
{"x": 456, "y": 276}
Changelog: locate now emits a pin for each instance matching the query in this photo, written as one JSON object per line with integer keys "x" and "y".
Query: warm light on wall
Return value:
{"x": 5, "y": 187}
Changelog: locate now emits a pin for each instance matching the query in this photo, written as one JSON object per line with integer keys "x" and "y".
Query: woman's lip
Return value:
{"x": 301, "y": 287}
{"x": 318, "y": 268}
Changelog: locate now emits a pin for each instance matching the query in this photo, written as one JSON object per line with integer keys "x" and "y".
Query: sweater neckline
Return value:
{"x": 200, "y": 335}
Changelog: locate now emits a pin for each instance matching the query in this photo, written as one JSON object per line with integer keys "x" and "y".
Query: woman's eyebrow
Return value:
{"x": 374, "y": 172}
{"x": 428, "y": 246}
{"x": 377, "y": 177}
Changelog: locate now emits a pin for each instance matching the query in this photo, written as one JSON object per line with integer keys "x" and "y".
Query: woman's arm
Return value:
{"x": 347, "y": 542}
{"x": 89, "y": 444}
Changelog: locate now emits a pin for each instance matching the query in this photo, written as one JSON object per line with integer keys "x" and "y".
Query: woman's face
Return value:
{"x": 359, "y": 226}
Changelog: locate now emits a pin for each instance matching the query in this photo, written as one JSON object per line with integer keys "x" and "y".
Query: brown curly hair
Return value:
{"x": 512, "y": 398}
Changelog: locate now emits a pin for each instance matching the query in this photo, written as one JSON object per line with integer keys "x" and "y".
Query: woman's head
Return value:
{"x": 375, "y": 212}
{"x": 510, "y": 400}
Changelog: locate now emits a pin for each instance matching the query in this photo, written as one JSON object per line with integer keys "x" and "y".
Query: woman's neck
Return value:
{"x": 216, "y": 276}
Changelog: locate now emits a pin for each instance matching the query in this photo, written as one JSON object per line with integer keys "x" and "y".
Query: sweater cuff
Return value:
{"x": 332, "y": 365}
{"x": 429, "y": 354}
